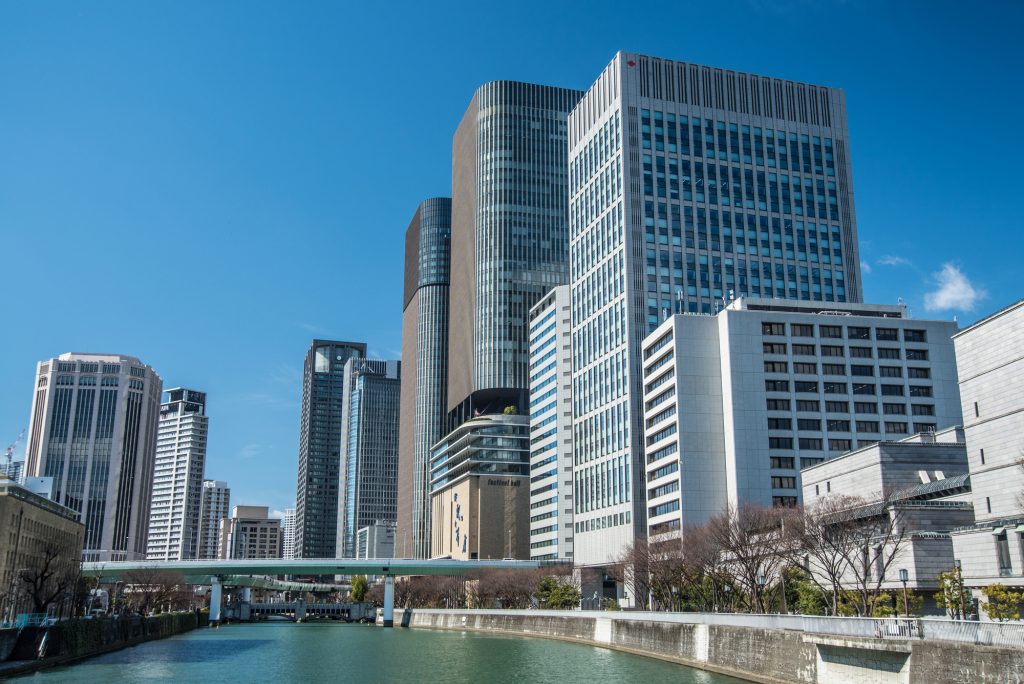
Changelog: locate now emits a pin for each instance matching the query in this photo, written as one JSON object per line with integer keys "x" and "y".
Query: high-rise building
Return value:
{"x": 510, "y": 238}
{"x": 316, "y": 500}
{"x": 13, "y": 470}
{"x": 688, "y": 184}
{"x": 250, "y": 532}
{"x": 368, "y": 483}
{"x": 425, "y": 380}
{"x": 93, "y": 430}
{"x": 288, "y": 534}
{"x": 376, "y": 540}
{"x": 174, "y": 518}
{"x": 551, "y": 528}
{"x": 215, "y": 503}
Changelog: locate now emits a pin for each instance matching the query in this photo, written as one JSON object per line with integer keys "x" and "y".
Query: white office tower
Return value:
{"x": 214, "y": 506}
{"x": 288, "y": 533}
{"x": 174, "y": 530}
{"x": 735, "y": 404}
{"x": 686, "y": 183}
{"x": 551, "y": 481}
{"x": 93, "y": 430}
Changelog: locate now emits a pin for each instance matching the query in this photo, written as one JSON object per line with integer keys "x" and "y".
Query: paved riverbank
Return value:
{"x": 755, "y": 649}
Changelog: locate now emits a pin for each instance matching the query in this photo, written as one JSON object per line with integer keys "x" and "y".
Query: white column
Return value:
{"x": 389, "y": 600}
{"x": 215, "y": 591}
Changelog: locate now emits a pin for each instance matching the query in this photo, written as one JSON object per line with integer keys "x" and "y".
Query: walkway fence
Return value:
{"x": 1007, "y": 634}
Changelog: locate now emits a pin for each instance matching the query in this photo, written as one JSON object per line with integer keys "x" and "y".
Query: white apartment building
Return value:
{"x": 735, "y": 404}
{"x": 551, "y": 479}
{"x": 174, "y": 519}
{"x": 93, "y": 430}
{"x": 215, "y": 503}
{"x": 288, "y": 533}
{"x": 990, "y": 363}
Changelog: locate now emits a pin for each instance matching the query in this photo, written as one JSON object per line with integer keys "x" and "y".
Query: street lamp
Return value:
{"x": 960, "y": 586}
{"x": 761, "y": 581}
{"x": 904, "y": 576}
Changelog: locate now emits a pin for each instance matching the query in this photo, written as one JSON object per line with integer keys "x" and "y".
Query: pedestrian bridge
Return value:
{"x": 248, "y": 572}
{"x": 299, "y": 611}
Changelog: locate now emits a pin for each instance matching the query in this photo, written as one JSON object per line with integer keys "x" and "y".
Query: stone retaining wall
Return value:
{"x": 769, "y": 656}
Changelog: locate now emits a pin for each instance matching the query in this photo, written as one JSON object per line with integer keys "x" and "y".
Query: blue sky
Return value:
{"x": 209, "y": 185}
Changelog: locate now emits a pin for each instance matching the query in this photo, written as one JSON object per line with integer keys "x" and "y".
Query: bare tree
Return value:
{"x": 149, "y": 590}
{"x": 846, "y": 543}
{"x": 507, "y": 588}
{"x": 823, "y": 536}
{"x": 753, "y": 539}
{"x": 50, "y": 577}
{"x": 633, "y": 569}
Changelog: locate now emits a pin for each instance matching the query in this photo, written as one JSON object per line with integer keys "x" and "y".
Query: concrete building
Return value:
{"x": 509, "y": 239}
{"x": 990, "y": 363}
{"x": 93, "y": 429}
{"x": 288, "y": 534}
{"x": 376, "y": 540}
{"x": 480, "y": 499}
{"x": 923, "y": 479}
{"x": 424, "y": 395}
{"x": 551, "y": 495}
{"x": 174, "y": 518}
{"x": 38, "y": 535}
{"x": 316, "y": 499}
{"x": 215, "y": 502}
{"x": 687, "y": 183}
{"x": 370, "y": 445}
{"x": 13, "y": 470}
{"x": 250, "y": 532}
{"x": 735, "y": 404}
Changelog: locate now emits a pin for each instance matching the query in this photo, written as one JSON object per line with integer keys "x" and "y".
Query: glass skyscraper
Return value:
{"x": 316, "y": 506}
{"x": 510, "y": 238}
{"x": 689, "y": 185}
{"x": 370, "y": 444}
{"x": 425, "y": 356}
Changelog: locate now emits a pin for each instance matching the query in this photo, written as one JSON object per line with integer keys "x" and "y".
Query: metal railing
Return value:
{"x": 1010, "y": 634}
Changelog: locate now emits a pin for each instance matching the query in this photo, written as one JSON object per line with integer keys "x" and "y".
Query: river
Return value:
{"x": 332, "y": 652}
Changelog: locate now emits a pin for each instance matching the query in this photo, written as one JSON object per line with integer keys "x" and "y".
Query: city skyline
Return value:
{"x": 255, "y": 443}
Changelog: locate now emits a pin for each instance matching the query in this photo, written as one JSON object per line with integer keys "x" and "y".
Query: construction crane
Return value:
{"x": 11, "y": 447}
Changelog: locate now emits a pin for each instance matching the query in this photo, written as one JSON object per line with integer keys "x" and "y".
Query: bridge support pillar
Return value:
{"x": 389, "y": 600}
{"x": 247, "y": 594}
{"x": 215, "y": 596}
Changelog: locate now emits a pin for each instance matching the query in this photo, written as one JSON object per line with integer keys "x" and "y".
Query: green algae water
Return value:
{"x": 331, "y": 652}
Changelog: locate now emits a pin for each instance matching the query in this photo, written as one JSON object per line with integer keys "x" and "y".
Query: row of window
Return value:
{"x": 836, "y": 332}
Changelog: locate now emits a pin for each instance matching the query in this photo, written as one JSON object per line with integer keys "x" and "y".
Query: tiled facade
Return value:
{"x": 250, "y": 532}
{"x": 551, "y": 481}
{"x": 990, "y": 362}
{"x": 688, "y": 184}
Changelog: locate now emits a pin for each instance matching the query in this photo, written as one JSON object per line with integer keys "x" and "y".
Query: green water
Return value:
{"x": 331, "y": 652}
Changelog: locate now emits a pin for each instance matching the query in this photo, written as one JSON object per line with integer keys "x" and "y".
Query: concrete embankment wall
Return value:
{"x": 770, "y": 656}
{"x": 35, "y": 648}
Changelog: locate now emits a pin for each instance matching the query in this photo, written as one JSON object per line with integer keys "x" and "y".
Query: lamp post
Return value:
{"x": 960, "y": 586}
{"x": 761, "y": 581}
{"x": 904, "y": 576}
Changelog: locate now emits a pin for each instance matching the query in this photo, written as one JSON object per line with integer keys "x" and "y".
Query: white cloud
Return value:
{"x": 865, "y": 267}
{"x": 955, "y": 291}
{"x": 276, "y": 513}
{"x": 892, "y": 260}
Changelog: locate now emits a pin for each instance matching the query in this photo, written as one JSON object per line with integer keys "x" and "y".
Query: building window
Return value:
{"x": 914, "y": 336}
{"x": 773, "y": 329}
{"x": 783, "y": 482}
{"x": 800, "y": 330}
{"x": 983, "y": 463}
{"x": 783, "y": 462}
{"x": 977, "y": 413}
{"x": 886, "y": 334}
{"x": 1003, "y": 551}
